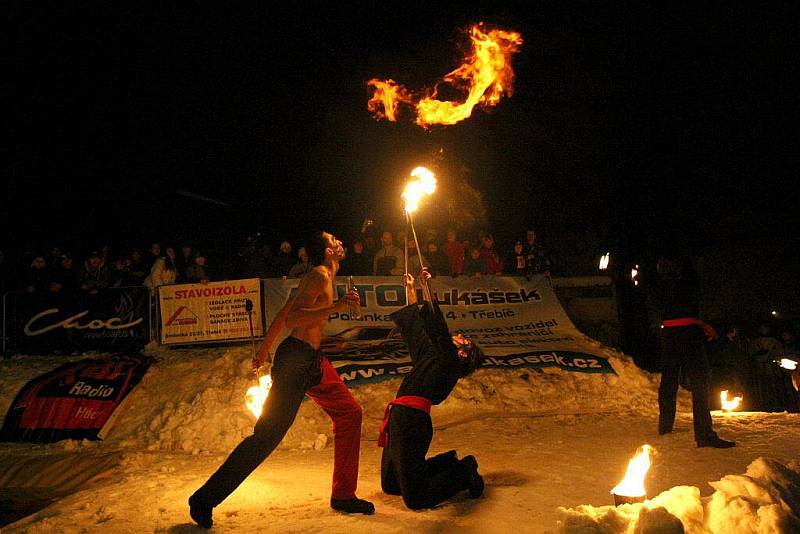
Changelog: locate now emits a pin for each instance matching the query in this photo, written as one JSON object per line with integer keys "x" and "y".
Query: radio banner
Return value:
{"x": 215, "y": 311}
{"x": 515, "y": 321}
{"x": 73, "y": 401}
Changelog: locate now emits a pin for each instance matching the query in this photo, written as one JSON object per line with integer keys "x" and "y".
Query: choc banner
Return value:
{"x": 110, "y": 319}
{"x": 73, "y": 401}
{"x": 516, "y": 322}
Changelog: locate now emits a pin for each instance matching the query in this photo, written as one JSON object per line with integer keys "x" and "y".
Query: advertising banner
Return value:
{"x": 515, "y": 321}
{"x": 73, "y": 401}
{"x": 109, "y": 319}
{"x": 216, "y": 311}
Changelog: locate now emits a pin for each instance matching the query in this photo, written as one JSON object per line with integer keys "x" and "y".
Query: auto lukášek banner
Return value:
{"x": 516, "y": 322}
{"x": 73, "y": 401}
{"x": 216, "y": 311}
{"x": 109, "y": 319}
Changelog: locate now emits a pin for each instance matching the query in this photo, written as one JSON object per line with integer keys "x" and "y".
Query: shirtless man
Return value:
{"x": 299, "y": 369}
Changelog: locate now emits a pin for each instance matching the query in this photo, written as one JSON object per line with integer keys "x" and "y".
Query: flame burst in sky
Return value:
{"x": 484, "y": 77}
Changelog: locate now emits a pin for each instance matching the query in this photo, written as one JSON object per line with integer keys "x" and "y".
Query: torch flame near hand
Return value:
{"x": 633, "y": 483}
{"x": 256, "y": 395}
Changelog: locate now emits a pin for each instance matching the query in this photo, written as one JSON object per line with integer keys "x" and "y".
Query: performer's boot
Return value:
{"x": 475, "y": 481}
{"x": 353, "y": 506}
{"x": 715, "y": 442}
{"x": 201, "y": 513}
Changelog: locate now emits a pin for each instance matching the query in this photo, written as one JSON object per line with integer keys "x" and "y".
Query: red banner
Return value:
{"x": 73, "y": 401}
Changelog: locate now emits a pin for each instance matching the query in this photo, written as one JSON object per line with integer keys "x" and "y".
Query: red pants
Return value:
{"x": 298, "y": 370}
{"x": 333, "y": 396}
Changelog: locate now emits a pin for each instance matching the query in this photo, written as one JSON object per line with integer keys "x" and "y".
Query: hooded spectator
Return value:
{"x": 95, "y": 276}
{"x": 184, "y": 260}
{"x": 436, "y": 260}
{"x": 66, "y": 274}
{"x": 138, "y": 271}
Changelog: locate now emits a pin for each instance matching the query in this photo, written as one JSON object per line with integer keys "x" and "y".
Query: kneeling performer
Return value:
{"x": 439, "y": 361}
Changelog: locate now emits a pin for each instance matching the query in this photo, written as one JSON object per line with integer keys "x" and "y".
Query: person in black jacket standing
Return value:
{"x": 683, "y": 351}
{"x": 439, "y": 361}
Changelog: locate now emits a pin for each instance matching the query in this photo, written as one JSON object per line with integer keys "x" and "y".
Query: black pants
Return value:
{"x": 297, "y": 367}
{"x": 404, "y": 469}
{"x": 683, "y": 353}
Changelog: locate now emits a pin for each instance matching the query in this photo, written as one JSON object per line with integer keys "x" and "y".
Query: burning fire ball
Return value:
{"x": 256, "y": 395}
{"x": 631, "y": 488}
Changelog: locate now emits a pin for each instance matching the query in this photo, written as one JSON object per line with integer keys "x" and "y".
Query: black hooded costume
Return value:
{"x": 405, "y": 471}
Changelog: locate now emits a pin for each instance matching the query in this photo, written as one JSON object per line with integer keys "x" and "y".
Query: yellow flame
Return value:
{"x": 425, "y": 184}
{"x": 633, "y": 483}
{"x": 604, "y": 261}
{"x": 386, "y": 99}
{"x": 729, "y": 404}
{"x": 485, "y": 75}
{"x": 256, "y": 395}
{"x": 786, "y": 363}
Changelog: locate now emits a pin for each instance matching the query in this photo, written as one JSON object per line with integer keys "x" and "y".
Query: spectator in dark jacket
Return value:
{"x": 138, "y": 270}
{"x": 95, "y": 276}
{"x": 37, "y": 278}
{"x": 357, "y": 262}
{"x": 436, "y": 260}
{"x": 474, "y": 266}
{"x": 197, "y": 272}
{"x": 283, "y": 261}
{"x": 184, "y": 260}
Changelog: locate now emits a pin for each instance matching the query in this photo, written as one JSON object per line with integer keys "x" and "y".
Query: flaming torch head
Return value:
{"x": 729, "y": 405}
{"x": 423, "y": 184}
{"x": 256, "y": 395}
{"x": 632, "y": 486}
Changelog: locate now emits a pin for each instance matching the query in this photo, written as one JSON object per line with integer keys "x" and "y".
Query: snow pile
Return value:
{"x": 193, "y": 399}
{"x": 765, "y": 499}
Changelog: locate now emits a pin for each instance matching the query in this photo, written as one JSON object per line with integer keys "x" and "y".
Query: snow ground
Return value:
{"x": 543, "y": 441}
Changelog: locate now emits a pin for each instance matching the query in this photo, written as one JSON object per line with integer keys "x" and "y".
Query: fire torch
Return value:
{"x": 423, "y": 184}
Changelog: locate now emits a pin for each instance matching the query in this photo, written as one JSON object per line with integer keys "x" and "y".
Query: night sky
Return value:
{"x": 629, "y": 127}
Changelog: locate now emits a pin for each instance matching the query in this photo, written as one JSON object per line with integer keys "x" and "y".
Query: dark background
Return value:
{"x": 630, "y": 127}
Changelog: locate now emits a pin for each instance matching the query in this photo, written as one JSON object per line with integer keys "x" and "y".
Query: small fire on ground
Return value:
{"x": 633, "y": 483}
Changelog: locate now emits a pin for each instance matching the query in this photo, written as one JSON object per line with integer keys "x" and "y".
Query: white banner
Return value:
{"x": 214, "y": 311}
{"x": 516, "y": 322}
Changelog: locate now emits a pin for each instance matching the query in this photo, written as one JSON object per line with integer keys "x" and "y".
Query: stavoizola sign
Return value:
{"x": 516, "y": 322}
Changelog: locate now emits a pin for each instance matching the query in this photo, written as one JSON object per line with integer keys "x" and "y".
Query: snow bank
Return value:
{"x": 765, "y": 499}
{"x": 193, "y": 399}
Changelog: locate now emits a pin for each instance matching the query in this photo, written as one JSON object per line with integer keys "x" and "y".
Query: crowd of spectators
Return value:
{"x": 60, "y": 272}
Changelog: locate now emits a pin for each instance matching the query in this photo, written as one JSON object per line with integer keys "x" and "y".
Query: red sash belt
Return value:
{"x": 409, "y": 401}
{"x": 688, "y": 321}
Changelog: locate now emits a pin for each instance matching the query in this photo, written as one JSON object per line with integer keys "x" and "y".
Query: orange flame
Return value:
{"x": 256, "y": 395}
{"x": 386, "y": 99}
{"x": 633, "y": 483}
{"x": 729, "y": 405}
{"x": 485, "y": 76}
